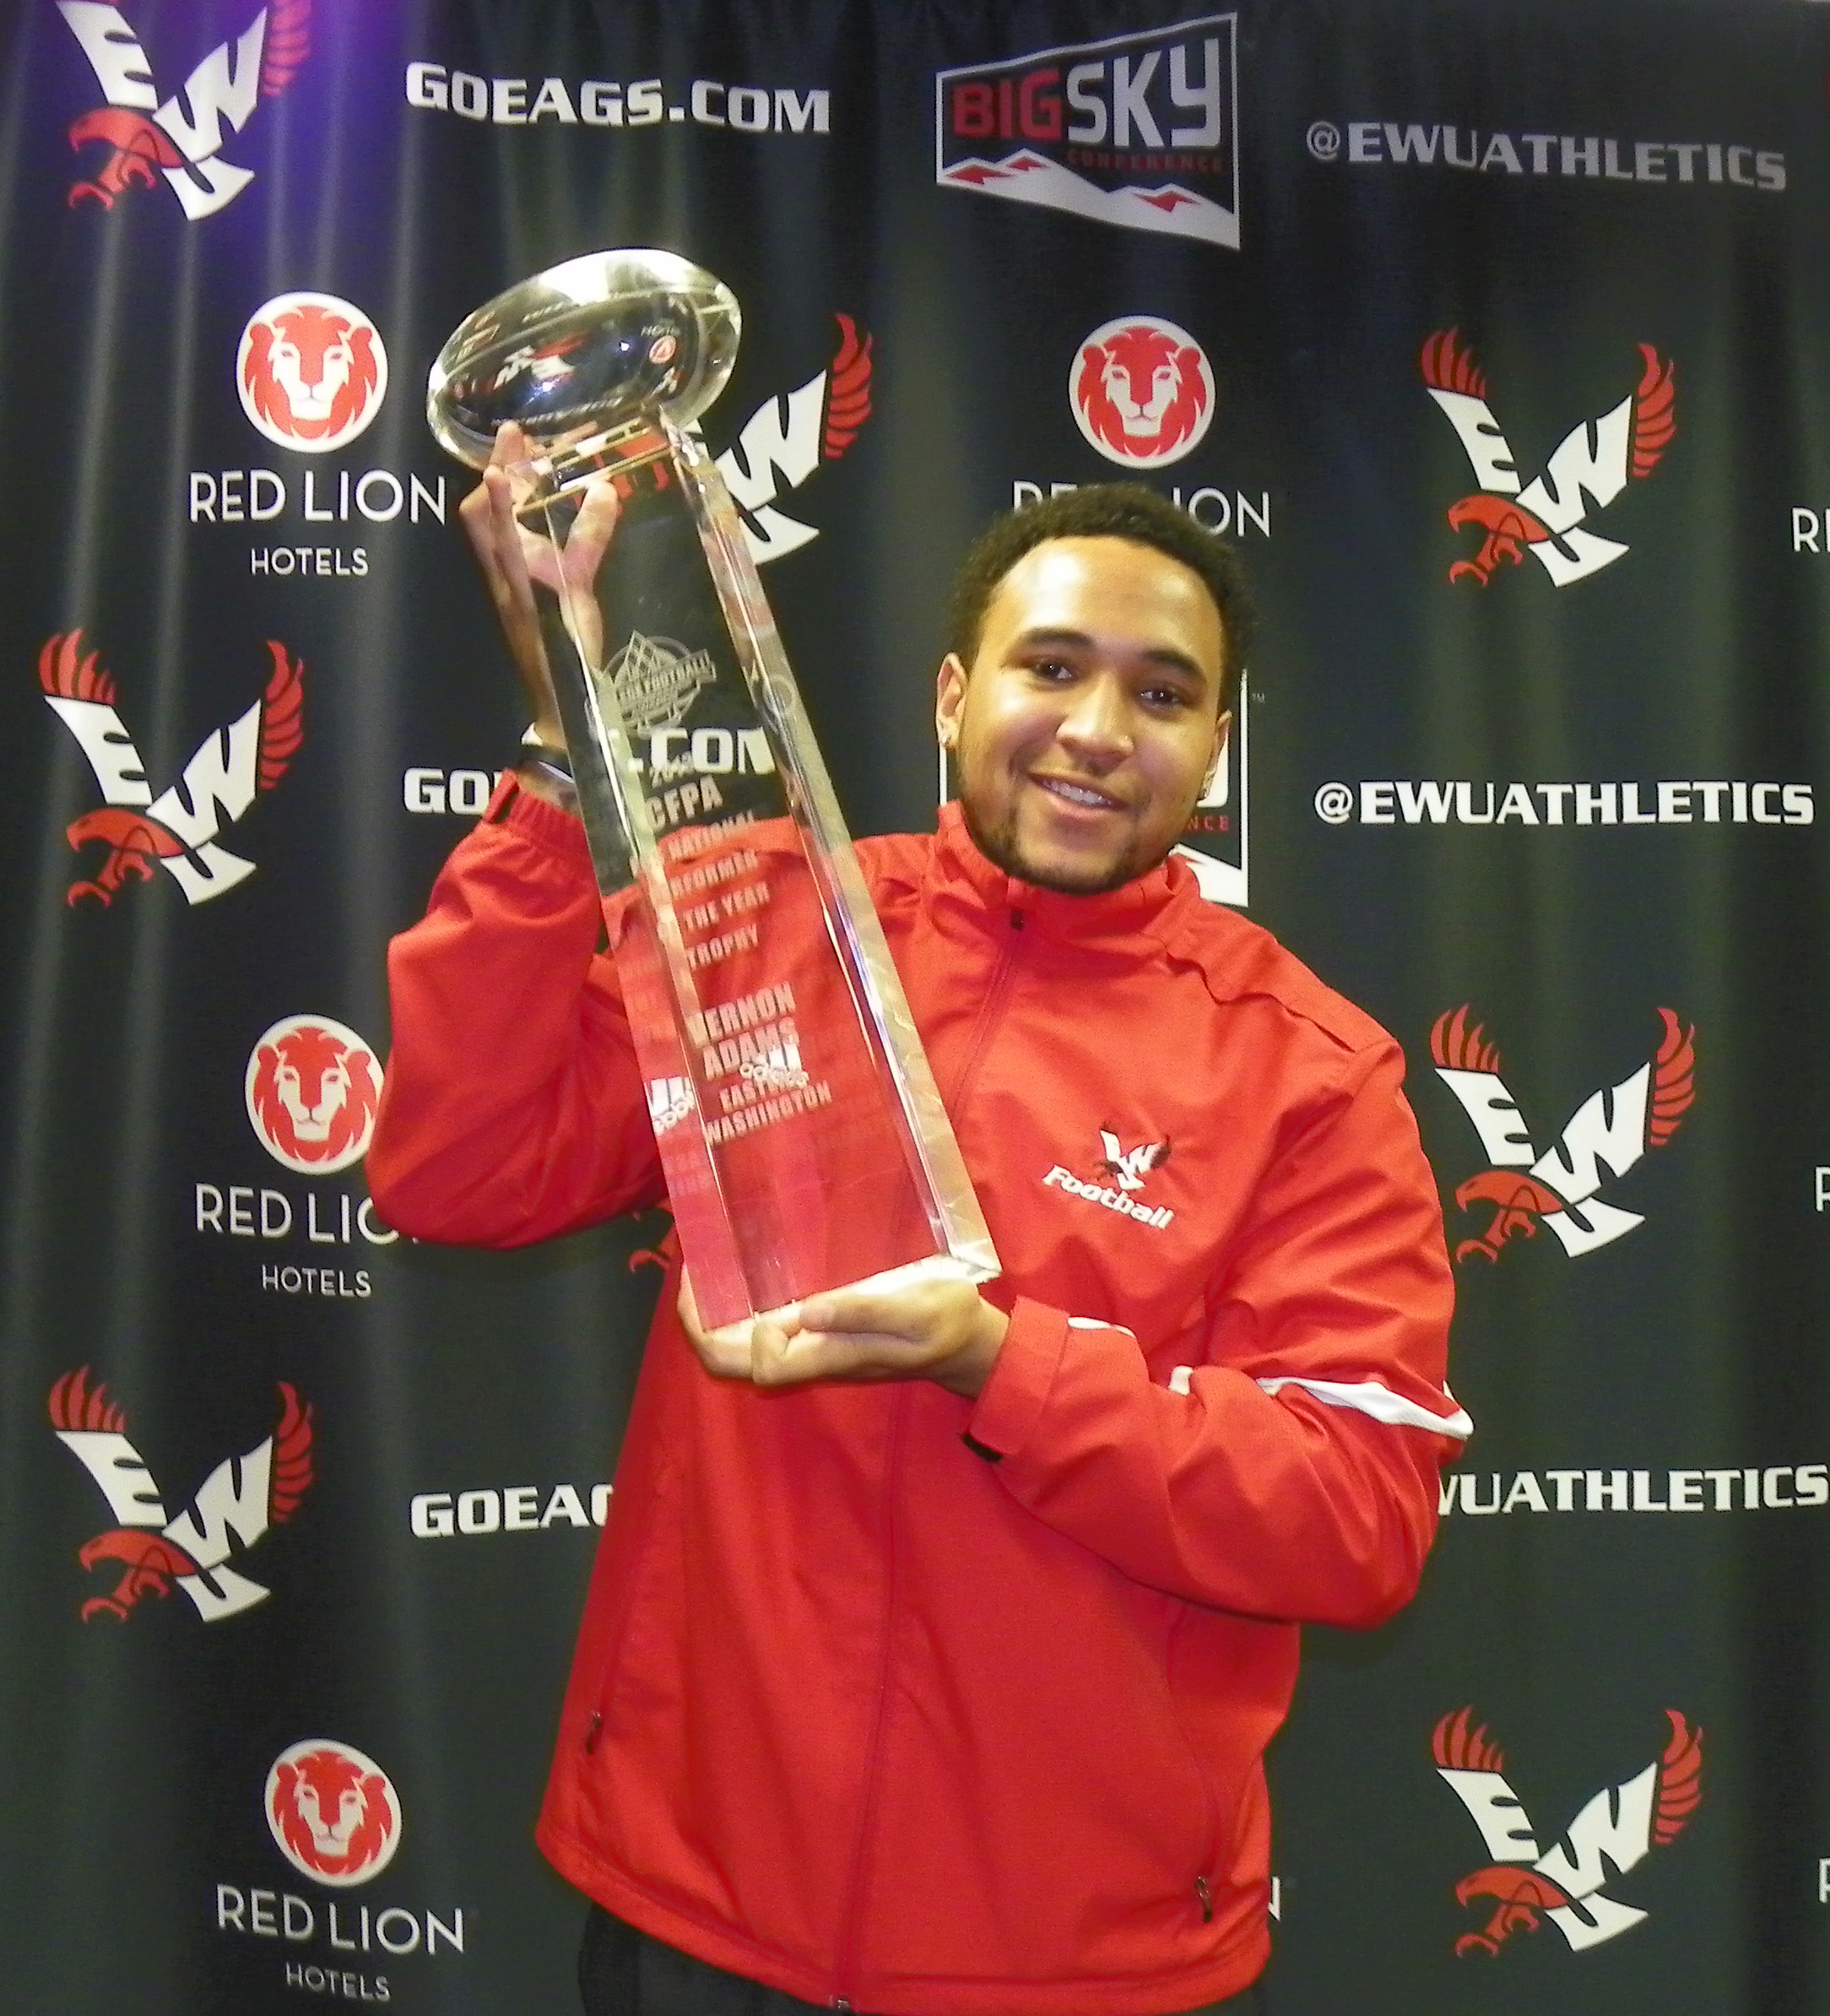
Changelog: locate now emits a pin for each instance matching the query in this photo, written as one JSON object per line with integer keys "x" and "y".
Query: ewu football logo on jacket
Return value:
{"x": 1608, "y": 1133}
{"x": 244, "y": 1496}
{"x": 1554, "y": 516}
{"x": 184, "y": 138}
{"x": 179, "y": 829}
{"x": 1522, "y": 1885}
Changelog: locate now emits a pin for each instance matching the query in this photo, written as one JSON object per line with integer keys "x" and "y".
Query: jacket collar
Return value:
{"x": 962, "y": 875}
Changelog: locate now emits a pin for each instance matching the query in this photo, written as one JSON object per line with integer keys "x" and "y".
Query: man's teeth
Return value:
{"x": 1078, "y": 794}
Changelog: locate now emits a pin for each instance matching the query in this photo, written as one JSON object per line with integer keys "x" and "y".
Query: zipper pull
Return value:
{"x": 839, "y": 2002}
{"x": 1016, "y": 920}
{"x": 1206, "y": 1896}
{"x": 592, "y": 1728}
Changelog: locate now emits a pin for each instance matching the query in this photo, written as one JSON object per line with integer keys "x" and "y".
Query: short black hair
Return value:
{"x": 1103, "y": 511}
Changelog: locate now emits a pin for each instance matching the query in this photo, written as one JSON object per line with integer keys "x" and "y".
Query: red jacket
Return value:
{"x": 912, "y": 1704}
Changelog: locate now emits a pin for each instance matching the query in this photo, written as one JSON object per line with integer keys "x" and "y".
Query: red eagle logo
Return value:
{"x": 183, "y": 138}
{"x": 232, "y": 1511}
{"x": 179, "y": 828}
{"x": 1547, "y": 517}
{"x": 787, "y": 438}
{"x": 1608, "y": 1132}
{"x": 1614, "y": 1832}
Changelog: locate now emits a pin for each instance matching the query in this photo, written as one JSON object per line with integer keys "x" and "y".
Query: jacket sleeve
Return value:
{"x": 512, "y": 1107}
{"x": 1292, "y": 1473}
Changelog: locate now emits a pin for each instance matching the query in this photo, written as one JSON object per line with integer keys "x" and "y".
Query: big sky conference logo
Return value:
{"x": 180, "y": 136}
{"x": 1606, "y": 1137}
{"x": 1140, "y": 131}
{"x": 179, "y": 829}
{"x": 1522, "y": 1886}
{"x": 1549, "y": 517}
{"x": 147, "y": 1549}
{"x": 336, "y": 1816}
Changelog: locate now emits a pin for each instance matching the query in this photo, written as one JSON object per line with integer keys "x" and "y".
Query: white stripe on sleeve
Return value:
{"x": 1370, "y": 1397}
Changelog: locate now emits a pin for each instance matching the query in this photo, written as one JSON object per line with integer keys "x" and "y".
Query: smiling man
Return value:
{"x": 937, "y": 1679}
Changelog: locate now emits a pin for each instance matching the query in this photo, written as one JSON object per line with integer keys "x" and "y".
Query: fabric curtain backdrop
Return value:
{"x": 1494, "y": 336}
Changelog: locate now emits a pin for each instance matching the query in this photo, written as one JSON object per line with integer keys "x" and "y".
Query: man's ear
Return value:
{"x": 949, "y": 700}
{"x": 1222, "y": 735}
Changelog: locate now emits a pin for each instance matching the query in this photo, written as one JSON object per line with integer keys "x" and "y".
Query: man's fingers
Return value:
{"x": 861, "y": 1312}
{"x": 778, "y": 1358}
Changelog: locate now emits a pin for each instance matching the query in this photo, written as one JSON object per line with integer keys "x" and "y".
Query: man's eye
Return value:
{"x": 1051, "y": 668}
{"x": 1168, "y": 697}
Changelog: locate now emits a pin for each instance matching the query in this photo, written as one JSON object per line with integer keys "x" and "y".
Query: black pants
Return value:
{"x": 623, "y": 1972}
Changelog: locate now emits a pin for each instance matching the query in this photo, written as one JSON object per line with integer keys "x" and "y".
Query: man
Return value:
{"x": 935, "y": 1679}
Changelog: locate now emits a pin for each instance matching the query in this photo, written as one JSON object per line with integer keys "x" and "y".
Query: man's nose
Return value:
{"x": 1097, "y": 723}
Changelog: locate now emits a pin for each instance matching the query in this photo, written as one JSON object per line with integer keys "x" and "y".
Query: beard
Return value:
{"x": 998, "y": 843}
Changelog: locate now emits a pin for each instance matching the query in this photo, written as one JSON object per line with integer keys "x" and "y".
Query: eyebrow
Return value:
{"x": 1078, "y": 640}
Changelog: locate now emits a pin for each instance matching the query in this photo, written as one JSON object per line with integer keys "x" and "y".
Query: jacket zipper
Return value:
{"x": 1001, "y": 975}
{"x": 845, "y": 1960}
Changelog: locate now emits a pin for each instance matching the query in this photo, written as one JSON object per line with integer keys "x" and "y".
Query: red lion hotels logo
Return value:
{"x": 179, "y": 829}
{"x": 232, "y": 1511}
{"x": 1608, "y": 1132}
{"x": 335, "y": 1813}
{"x": 1138, "y": 130}
{"x": 184, "y": 139}
{"x": 312, "y": 370}
{"x": 312, "y": 1087}
{"x": 1587, "y": 469}
{"x": 1142, "y": 392}
{"x": 1613, "y": 1833}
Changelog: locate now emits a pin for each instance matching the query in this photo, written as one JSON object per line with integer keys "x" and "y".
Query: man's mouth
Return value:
{"x": 1073, "y": 792}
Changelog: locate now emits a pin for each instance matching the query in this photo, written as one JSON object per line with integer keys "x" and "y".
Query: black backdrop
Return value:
{"x": 1619, "y": 209}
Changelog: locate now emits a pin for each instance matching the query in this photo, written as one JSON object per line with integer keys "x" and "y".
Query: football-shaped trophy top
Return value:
{"x": 601, "y": 340}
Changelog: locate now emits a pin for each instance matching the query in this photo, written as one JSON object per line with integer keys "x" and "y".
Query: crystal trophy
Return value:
{"x": 804, "y": 1142}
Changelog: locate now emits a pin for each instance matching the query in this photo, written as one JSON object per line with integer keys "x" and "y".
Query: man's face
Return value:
{"x": 1088, "y": 723}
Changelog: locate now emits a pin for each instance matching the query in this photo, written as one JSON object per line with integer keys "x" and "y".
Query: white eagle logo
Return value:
{"x": 184, "y": 138}
{"x": 1587, "y": 468}
{"x": 234, "y": 1508}
{"x": 1130, "y": 1166}
{"x": 1614, "y": 1832}
{"x": 178, "y": 829}
{"x": 1609, "y": 1131}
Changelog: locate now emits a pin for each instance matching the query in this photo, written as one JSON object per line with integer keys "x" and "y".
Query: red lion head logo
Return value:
{"x": 312, "y": 1090}
{"x": 332, "y": 1812}
{"x": 312, "y": 371}
{"x": 1141, "y": 391}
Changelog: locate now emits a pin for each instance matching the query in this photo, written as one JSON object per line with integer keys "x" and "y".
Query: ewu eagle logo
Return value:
{"x": 178, "y": 829}
{"x": 788, "y": 437}
{"x": 1547, "y": 517}
{"x": 184, "y": 138}
{"x": 232, "y": 1511}
{"x": 1614, "y": 1832}
{"x": 1608, "y": 1132}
